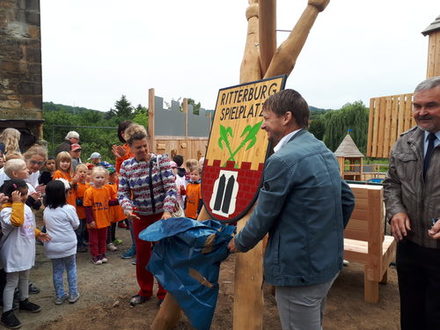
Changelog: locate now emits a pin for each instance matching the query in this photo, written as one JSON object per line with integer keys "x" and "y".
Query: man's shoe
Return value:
{"x": 137, "y": 300}
{"x": 33, "y": 289}
{"x": 73, "y": 298}
{"x": 10, "y": 321}
{"x": 26, "y": 305}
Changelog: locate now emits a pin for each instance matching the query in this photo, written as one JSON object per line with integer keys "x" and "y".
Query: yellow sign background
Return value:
{"x": 238, "y": 107}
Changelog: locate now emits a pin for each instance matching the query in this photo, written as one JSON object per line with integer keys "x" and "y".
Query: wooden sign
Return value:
{"x": 237, "y": 149}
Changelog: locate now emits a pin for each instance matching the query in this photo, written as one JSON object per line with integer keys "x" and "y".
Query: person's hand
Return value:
{"x": 118, "y": 151}
{"x": 131, "y": 216}
{"x": 434, "y": 232}
{"x": 231, "y": 246}
{"x": 35, "y": 195}
{"x": 44, "y": 237}
{"x": 91, "y": 225}
{"x": 16, "y": 196}
{"x": 166, "y": 215}
{"x": 400, "y": 225}
{"x": 3, "y": 198}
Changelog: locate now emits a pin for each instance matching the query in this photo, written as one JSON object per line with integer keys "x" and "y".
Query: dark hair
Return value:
{"x": 121, "y": 129}
{"x": 289, "y": 100}
{"x": 55, "y": 194}
{"x": 178, "y": 159}
{"x": 12, "y": 185}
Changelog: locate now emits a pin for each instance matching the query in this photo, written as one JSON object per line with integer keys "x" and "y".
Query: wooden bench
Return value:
{"x": 365, "y": 241}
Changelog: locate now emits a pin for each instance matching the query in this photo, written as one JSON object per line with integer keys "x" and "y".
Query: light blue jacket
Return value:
{"x": 304, "y": 206}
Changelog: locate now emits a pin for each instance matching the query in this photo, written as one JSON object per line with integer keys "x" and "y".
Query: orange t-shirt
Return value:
{"x": 116, "y": 212}
{"x": 71, "y": 196}
{"x": 120, "y": 160}
{"x": 80, "y": 189}
{"x": 98, "y": 199}
{"x": 193, "y": 197}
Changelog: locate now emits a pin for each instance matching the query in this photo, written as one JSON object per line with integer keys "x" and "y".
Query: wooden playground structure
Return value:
{"x": 190, "y": 147}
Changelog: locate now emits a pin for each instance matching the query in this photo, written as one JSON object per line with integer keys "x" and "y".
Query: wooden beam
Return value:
{"x": 267, "y": 32}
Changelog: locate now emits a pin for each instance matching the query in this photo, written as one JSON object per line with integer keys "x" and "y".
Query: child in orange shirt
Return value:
{"x": 116, "y": 212}
{"x": 96, "y": 203}
{"x": 63, "y": 165}
{"x": 193, "y": 202}
{"x": 80, "y": 188}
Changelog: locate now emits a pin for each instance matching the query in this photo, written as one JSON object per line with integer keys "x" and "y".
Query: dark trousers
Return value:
{"x": 111, "y": 233}
{"x": 143, "y": 254}
{"x": 418, "y": 271}
{"x": 81, "y": 233}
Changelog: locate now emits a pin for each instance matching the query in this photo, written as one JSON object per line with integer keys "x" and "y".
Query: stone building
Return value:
{"x": 20, "y": 68}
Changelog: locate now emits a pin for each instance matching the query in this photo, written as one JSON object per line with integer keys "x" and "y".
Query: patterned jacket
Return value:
{"x": 135, "y": 191}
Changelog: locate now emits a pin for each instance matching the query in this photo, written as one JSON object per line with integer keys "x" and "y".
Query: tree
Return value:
{"x": 123, "y": 109}
{"x": 352, "y": 116}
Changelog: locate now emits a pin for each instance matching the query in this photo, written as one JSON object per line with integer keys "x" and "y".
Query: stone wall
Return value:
{"x": 20, "y": 65}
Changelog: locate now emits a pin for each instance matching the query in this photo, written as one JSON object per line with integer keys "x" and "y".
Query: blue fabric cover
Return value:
{"x": 179, "y": 246}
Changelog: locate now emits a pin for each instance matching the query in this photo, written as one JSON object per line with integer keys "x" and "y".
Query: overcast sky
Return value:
{"x": 94, "y": 51}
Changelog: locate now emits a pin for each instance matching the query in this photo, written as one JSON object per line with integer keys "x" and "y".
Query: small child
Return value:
{"x": 47, "y": 171}
{"x": 63, "y": 165}
{"x": 17, "y": 252}
{"x": 80, "y": 187}
{"x": 115, "y": 210}
{"x": 190, "y": 165}
{"x": 61, "y": 220}
{"x": 193, "y": 200}
{"x": 96, "y": 203}
{"x": 180, "y": 183}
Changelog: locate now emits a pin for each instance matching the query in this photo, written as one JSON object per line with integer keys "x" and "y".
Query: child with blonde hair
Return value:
{"x": 63, "y": 165}
{"x": 193, "y": 202}
{"x": 80, "y": 187}
{"x": 96, "y": 203}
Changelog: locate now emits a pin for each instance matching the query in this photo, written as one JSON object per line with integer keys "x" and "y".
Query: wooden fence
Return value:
{"x": 389, "y": 117}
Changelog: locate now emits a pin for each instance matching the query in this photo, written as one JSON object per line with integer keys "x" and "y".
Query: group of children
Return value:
{"x": 81, "y": 209}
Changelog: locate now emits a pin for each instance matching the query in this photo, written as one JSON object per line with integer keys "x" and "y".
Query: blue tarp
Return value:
{"x": 187, "y": 253}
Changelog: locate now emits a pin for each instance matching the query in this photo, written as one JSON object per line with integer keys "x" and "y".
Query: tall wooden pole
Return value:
{"x": 433, "y": 31}
{"x": 267, "y": 32}
{"x": 151, "y": 109}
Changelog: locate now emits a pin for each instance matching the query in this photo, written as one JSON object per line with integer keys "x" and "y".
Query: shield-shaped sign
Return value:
{"x": 237, "y": 149}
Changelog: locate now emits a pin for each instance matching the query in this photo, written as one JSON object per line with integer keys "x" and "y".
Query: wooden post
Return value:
{"x": 433, "y": 30}
{"x": 168, "y": 315}
{"x": 248, "y": 294}
{"x": 267, "y": 32}
{"x": 151, "y": 109}
{"x": 185, "y": 112}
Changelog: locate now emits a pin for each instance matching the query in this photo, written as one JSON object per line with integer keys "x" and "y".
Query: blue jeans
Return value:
{"x": 58, "y": 266}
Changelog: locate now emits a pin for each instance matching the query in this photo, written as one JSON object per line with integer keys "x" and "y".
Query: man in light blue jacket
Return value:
{"x": 304, "y": 206}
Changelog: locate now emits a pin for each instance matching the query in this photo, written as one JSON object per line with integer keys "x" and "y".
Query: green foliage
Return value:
{"x": 196, "y": 106}
{"x": 97, "y": 130}
{"x": 353, "y": 116}
{"x": 317, "y": 128}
